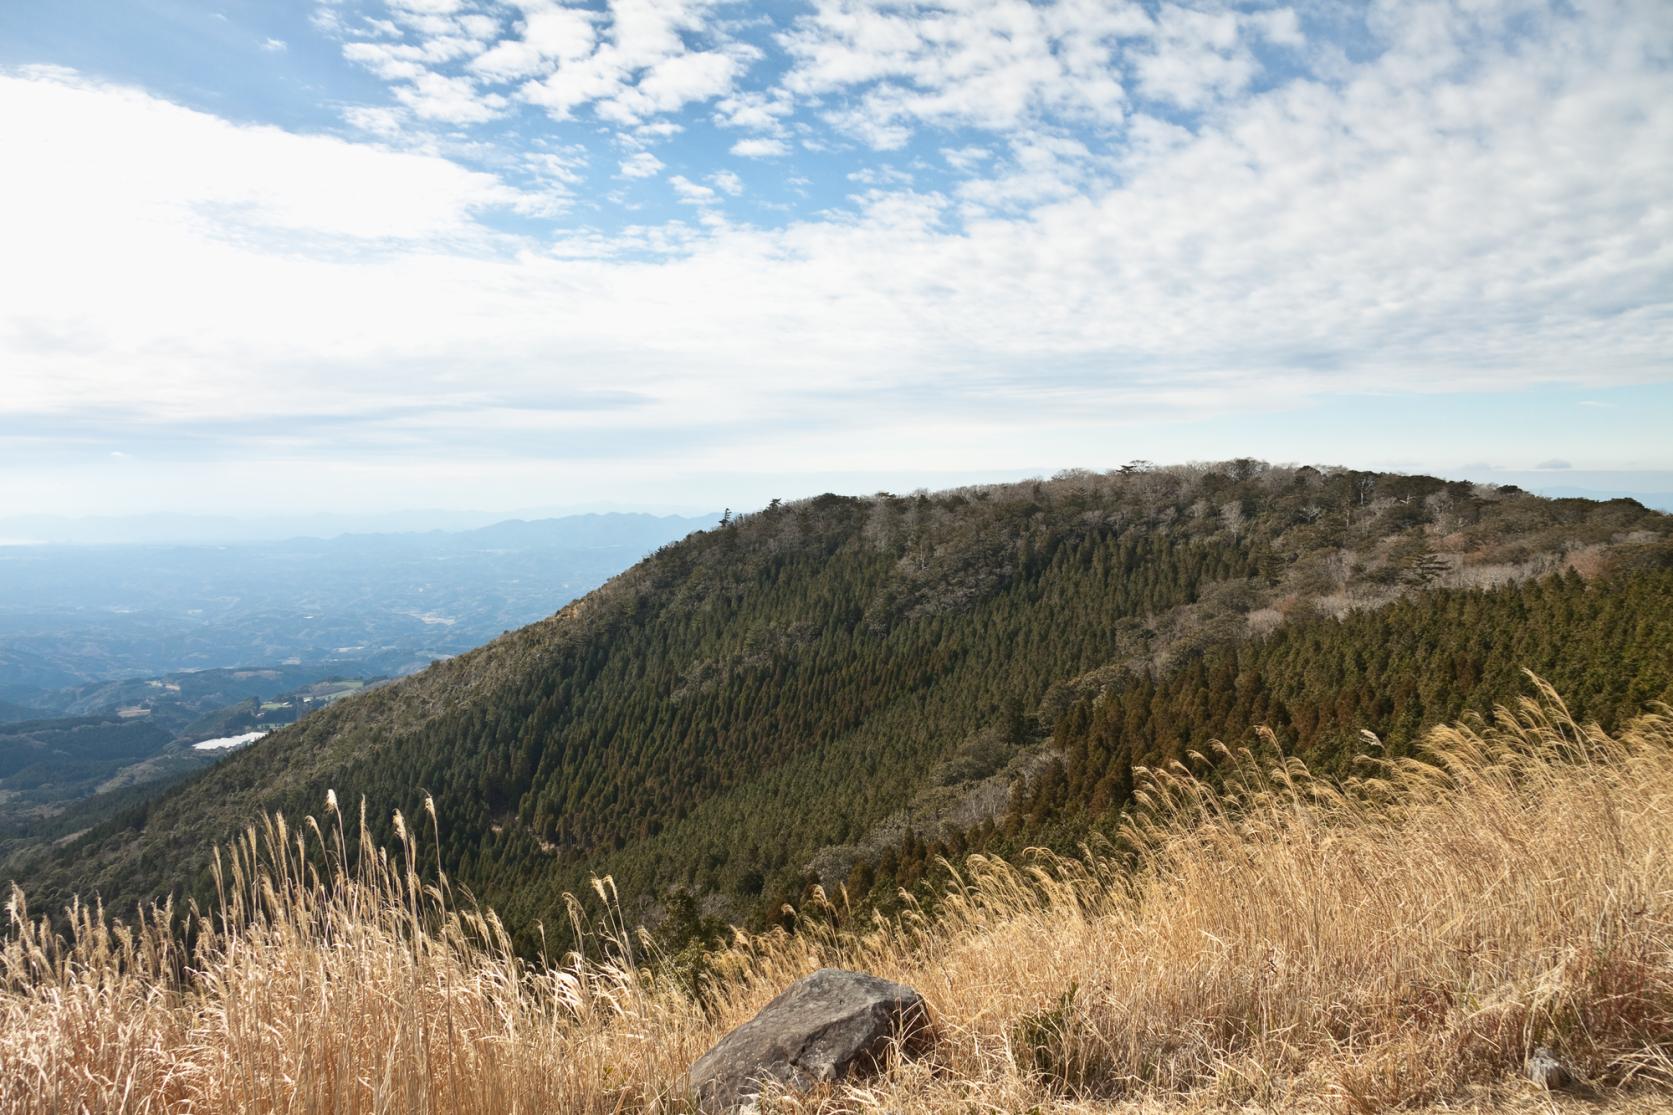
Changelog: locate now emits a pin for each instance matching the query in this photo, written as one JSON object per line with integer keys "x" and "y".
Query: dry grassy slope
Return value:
{"x": 1279, "y": 944}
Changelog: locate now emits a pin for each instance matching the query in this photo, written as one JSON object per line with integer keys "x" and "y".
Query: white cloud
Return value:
{"x": 997, "y": 65}
{"x": 274, "y": 46}
{"x": 671, "y": 84}
{"x": 549, "y": 37}
{"x": 180, "y": 168}
{"x": 1195, "y": 57}
{"x": 418, "y": 84}
{"x": 1405, "y": 227}
{"x": 230, "y": 218}
{"x": 692, "y": 193}
{"x": 881, "y": 176}
{"x": 754, "y": 110}
{"x": 455, "y": 100}
{"x": 630, "y": 62}
{"x": 966, "y": 158}
{"x": 478, "y": 26}
{"x": 760, "y": 148}
{"x": 652, "y": 132}
{"x": 989, "y": 64}
{"x": 580, "y": 83}
{"x": 1041, "y": 168}
{"x": 552, "y": 176}
{"x": 557, "y": 166}
{"x": 508, "y": 60}
{"x": 640, "y": 165}
{"x": 385, "y": 123}
{"x": 427, "y": 7}
{"x": 1281, "y": 27}
{"x": 561, "y": 33}
{"x": 392, "y": 62}
{"x": 727, "y": 182}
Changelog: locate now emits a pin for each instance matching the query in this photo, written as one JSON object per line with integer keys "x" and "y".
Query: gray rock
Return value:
{"x": 1548, "y": 1070}
{"x": 830, "y": 1026}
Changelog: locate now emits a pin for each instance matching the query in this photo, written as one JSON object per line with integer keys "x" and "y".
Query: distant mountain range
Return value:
{"x": 837, "y": 690}
{"x": 1651, "y": 487}
{"x": 366, "y": 604}
{"x": 1661, "y": 501}
{"x": 178, "y": 529}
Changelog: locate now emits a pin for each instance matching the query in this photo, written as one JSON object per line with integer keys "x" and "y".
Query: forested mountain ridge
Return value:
{"x": 782, "y": 689}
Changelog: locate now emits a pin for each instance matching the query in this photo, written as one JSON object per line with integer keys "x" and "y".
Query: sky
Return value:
{"x": 358, "y": 255}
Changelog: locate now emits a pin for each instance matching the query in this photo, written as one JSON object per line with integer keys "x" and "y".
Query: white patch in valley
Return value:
{"x": 227, "y": 743}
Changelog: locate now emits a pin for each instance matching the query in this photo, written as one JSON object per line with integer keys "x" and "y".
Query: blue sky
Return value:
{"x": 364, "y": 254}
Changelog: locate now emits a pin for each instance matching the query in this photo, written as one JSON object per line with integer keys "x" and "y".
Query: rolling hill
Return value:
{"x": 835, "y": 690}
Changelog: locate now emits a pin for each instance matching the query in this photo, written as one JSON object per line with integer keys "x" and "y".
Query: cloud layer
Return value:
{"x": 1102, "y": 215}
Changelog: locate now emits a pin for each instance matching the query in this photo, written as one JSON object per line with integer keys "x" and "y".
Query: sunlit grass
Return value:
{"x": 1258, "y": 938}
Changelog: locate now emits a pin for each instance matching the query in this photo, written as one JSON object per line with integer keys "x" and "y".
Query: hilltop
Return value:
{"x": 834, "y": 691}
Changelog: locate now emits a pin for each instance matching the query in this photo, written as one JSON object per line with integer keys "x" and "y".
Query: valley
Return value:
{"x": 366, "y": 605}
{"x": 118, "y": 661}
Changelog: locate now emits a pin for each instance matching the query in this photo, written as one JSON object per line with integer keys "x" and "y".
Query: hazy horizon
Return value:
{"x": 1654, "y": 488}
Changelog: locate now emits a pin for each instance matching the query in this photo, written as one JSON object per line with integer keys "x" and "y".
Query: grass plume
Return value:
{"x": 1260, "y": 938}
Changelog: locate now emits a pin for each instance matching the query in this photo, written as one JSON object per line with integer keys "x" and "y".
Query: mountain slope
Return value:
{"x": 716, "y": 718}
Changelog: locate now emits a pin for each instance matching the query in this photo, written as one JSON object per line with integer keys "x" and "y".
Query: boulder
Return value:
{"x": 830, "y": 1026}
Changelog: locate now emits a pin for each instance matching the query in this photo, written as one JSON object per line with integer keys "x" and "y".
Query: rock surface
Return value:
{"x": 1547, "y": 1070}
{"x": 833, "y": 1025}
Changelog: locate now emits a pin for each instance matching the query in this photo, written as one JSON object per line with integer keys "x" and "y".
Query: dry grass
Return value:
{"x": 1279, "y": 943}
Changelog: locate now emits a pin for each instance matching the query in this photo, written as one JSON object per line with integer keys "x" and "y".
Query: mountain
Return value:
{"x": 10, "y": 712}
{"x": 836, "y": 689}
{"x": 361, "y": 605}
